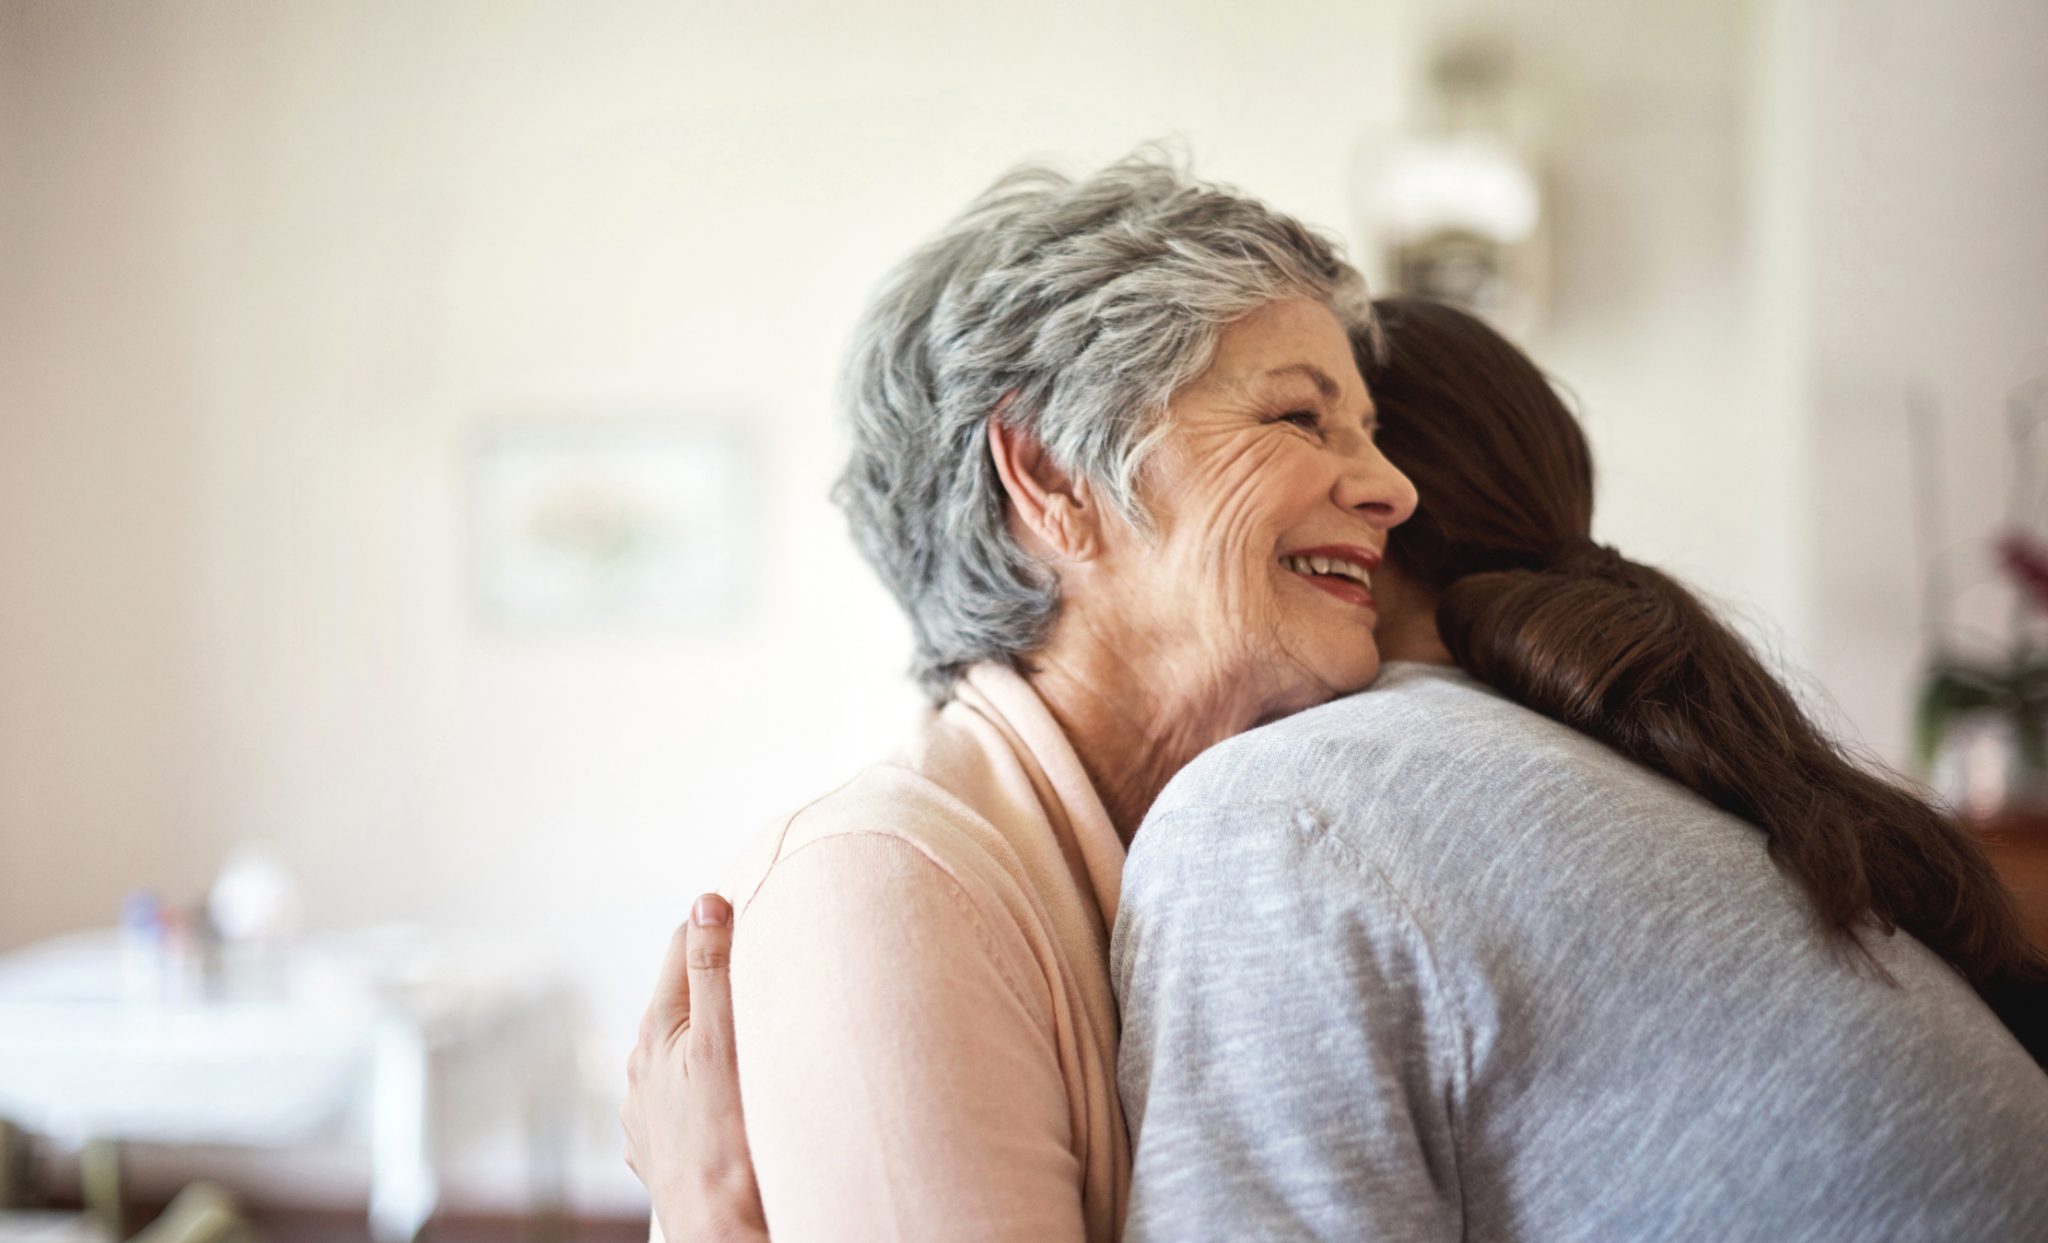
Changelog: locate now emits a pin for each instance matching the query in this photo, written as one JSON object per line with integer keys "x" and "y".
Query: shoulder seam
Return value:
{"x": 775, "y": 856}
{"x": 1318, "y": 830}
{"x": 1307, "y": 823}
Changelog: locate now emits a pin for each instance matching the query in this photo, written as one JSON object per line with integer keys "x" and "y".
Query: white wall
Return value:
{"x": 100, "y": 700}
{"x": 1930, "y": 272}
{"x": 265, "y": 270}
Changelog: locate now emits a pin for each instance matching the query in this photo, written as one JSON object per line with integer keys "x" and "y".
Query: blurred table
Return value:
{"x": 384, "y": 1039}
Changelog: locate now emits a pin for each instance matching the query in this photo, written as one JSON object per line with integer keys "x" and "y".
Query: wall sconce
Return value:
{"x": 1453, "y": 208}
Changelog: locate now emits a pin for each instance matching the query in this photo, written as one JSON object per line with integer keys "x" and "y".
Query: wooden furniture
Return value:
{"x": 2018, "y": 845}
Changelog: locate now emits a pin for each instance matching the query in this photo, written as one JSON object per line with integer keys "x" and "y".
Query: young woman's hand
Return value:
{"x": 685, "y": 1136}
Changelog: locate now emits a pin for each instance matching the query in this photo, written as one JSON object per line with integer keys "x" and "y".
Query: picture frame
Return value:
{"x": 581, "y": 523}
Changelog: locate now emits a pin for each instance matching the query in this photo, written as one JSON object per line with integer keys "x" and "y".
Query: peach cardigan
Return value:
{"x": 927, "y": 1033}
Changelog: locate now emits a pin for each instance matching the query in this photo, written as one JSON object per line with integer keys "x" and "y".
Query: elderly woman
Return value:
{"x": 1114, "y": 457}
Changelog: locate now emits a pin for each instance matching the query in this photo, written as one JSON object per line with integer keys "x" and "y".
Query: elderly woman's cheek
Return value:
{"x": 1244, "y": 555}
{"x": 1251, "y": 502}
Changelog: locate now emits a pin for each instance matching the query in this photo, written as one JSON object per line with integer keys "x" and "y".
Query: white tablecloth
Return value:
{"x": 374, "y": 1036}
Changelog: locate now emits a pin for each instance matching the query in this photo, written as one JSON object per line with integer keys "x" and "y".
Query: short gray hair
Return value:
{"x": 1087, "y": 304}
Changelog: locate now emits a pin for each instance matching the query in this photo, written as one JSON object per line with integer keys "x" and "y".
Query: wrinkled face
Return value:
{"x": 1271, "y": 506}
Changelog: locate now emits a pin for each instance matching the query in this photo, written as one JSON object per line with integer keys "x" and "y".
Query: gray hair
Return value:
{"x": 1076, "y": 309}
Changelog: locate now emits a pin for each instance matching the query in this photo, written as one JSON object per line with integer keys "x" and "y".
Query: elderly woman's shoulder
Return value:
{"x": 887, "y": 826}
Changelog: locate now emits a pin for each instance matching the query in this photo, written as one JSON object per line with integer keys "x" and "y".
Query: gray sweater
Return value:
{"x": 1421, "y": 964}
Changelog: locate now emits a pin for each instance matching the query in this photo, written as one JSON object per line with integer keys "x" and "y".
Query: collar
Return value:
{"x": 1002, "y": 695}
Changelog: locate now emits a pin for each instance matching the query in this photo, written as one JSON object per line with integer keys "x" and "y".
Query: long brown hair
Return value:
{"x": 1626, "y": 654}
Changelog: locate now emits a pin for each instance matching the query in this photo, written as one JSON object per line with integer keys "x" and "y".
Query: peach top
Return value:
{"x": 927, "y": 1033}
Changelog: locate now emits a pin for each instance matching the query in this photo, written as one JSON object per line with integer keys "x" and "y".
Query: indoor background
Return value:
{"x": 274, "y": 276}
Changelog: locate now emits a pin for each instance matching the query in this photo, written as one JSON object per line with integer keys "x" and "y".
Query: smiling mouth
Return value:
{"x": 1344, "y": 577}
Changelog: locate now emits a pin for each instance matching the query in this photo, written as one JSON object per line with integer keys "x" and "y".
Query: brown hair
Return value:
{"x": 1624, "y": 653}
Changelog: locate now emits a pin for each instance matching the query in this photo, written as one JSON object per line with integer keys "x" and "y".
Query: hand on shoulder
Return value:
{"x": 686, "y": 1135}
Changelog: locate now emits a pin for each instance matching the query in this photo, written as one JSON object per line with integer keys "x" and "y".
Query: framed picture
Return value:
{"x": 580, "y": 523}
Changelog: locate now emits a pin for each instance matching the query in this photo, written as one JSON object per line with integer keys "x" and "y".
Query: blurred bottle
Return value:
{"x": 141, "y": 947}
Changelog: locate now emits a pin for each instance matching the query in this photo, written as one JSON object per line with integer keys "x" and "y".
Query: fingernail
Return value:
{"x": 711, "y": 911}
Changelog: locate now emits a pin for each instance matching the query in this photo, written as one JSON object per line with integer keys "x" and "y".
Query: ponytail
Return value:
{"x": 1624, "y": 654}
{"x": 1627, "y": 655}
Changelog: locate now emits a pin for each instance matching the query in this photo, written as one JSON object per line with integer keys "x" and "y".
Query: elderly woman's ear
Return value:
{"x": 1052, "y": 514}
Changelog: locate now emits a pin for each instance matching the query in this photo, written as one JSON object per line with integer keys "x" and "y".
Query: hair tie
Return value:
{"x": 1583, "y": 554}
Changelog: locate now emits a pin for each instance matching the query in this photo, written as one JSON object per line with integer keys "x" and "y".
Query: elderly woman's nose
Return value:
{"x": 1376, "y": 488}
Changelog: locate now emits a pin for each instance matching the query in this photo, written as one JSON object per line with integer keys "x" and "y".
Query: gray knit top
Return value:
{"x": 1421, "y": 964}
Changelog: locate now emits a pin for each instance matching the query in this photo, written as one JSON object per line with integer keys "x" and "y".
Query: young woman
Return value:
{"x": 1574, "y": 926}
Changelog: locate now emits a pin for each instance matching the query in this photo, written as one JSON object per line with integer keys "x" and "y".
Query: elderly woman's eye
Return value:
{"x": 1307, "y": 420}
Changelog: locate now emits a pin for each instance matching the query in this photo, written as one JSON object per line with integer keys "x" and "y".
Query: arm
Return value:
{"x": 896, "y": 1056}
{"x": 1288, "y": 1063}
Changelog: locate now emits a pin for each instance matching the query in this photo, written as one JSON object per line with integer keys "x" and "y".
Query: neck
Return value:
{"x": 1132, "y": 737}
{"x": 1407, "y": 627}
{"x": 1414, "y": 637}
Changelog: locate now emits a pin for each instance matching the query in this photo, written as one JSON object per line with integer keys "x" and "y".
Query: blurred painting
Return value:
{"x": 591, "y": 523}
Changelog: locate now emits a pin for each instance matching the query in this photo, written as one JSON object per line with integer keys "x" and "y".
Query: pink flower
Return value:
{"x": 2026, "y": 559}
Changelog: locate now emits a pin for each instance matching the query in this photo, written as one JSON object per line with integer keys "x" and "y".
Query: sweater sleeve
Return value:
{"x": 897, "y": 1064}
{"x": 1287, "y": 1065}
